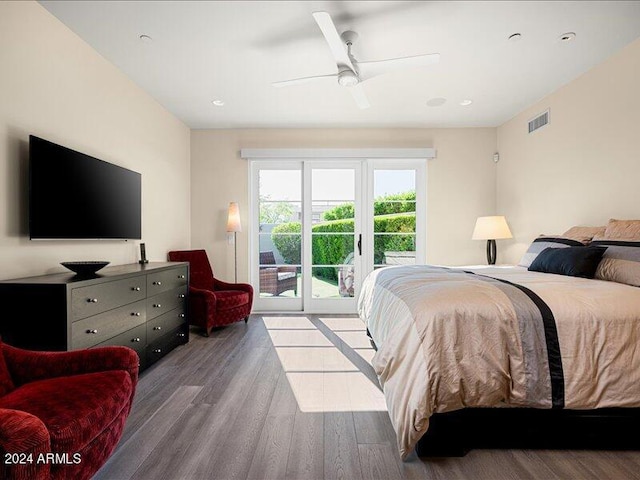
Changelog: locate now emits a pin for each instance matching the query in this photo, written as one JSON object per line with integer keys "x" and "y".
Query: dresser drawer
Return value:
{"x": 166, "y": 280}
{"x": 166, "y": 301}
{"x": 158, "y": 326}
{"x": 135, "y": 338}
{"x": 167, "y": 342}
{"x": 94, "y": 299}
{"x": 99, "y": 328}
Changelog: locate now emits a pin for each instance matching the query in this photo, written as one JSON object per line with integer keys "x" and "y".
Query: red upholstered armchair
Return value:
{"x": 212, "y": 302}
{"x": 62, "y": 413}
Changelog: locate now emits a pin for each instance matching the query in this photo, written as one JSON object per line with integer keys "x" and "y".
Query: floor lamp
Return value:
{"x": 490, "y": 229}
{"x": 234, "y": 226}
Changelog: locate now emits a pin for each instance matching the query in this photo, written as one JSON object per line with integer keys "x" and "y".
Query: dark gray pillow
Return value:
{"x": 542, "y": 242}
{"x": 572, "y": 261}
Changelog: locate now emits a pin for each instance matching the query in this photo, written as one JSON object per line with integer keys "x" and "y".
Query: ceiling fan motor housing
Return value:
{"x": 347, "y": 78}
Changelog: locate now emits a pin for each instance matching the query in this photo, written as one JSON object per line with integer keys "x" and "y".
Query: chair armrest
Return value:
{"x": 201, "y": 302}
{"x": 220, "y": 285}
{"x": 201, "y": 293}
{"x": 288, "y": 269}
{"x": 268, "y": 272}
{"x": 28, "y": 366}
{"x": 23, "y": 433}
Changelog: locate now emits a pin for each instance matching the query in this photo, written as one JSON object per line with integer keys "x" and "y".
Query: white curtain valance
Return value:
{"x": 326, "y": 153}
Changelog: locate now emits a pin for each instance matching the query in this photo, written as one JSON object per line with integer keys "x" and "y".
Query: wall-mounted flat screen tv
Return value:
{"x": 75, "y": 196}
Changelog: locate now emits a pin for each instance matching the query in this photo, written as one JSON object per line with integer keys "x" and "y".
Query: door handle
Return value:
{"x": 360, "y": 244}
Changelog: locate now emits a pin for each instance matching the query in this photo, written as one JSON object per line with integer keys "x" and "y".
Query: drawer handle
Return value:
{"x": 181, "y": 315}
{"x": 135, "y": 314}
{"x": 92, "y": 300}
{"x": 94, "y": 331}
{"x": 135, "y": 339}
{"x": 157, "y": 283}
{"x": 181, "y": 295}
{"x": 157, "y": 328}
{"x": 181, "y": 334}
{"x": 157, "y": 350}
{"x": 135, "y": 289}
{"x": 157, "y": 305}
{"x": 181, "y": 276}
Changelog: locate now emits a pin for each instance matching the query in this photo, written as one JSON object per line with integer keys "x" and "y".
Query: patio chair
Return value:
{"x": 276, "y": 280}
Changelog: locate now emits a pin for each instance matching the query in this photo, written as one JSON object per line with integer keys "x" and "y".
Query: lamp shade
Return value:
{"x": 233, "y": 220}
{"x": 491, "y": 228}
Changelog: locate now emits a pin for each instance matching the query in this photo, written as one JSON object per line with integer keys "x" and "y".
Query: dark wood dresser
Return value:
{"x": 140, "y": 306}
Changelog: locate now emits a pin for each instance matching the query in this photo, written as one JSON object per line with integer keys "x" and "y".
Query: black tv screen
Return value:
{"x": 76, "y": 196}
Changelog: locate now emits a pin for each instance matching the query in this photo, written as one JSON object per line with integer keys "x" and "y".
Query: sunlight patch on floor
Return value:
{"x": 345, "y": 324}
{"x": 300, "y": 359}
{"x": 299, "y": 338}
{"x": 298, "y": 323}
{"x": 355, "y": 339}
{"x": 322, "y": 378}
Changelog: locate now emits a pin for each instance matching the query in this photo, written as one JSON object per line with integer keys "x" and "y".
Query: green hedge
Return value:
{"x": 398, "y": 223}
{"x": 333, "y": 249}
{"x": 381, "y": 206}
{"x": 288, "y": 245}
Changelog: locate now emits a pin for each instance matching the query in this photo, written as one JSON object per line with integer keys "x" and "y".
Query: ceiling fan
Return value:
{"x": 352, "y": 73}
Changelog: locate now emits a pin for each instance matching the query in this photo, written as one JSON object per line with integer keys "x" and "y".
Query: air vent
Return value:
{"x": 539, "y": 122}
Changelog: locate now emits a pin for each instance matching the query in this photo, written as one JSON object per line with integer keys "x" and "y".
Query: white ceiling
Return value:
{"x": 233, "y": 50}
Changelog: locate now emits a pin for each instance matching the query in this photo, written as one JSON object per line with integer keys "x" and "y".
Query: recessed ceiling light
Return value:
{"x": 567, "y": 37}
{"x": 436, "y": 102}
{"x": 145, "y": 38}
{"x": 217, "y": 103}
{"x": 514, "y": 37}
{"x": 466, "y": 102}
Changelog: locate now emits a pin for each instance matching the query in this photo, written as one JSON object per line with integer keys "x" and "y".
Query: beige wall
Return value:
{"x": 581, "y": 169}
{"x": 461, "y": 184}
{"x": 55, "y": 86}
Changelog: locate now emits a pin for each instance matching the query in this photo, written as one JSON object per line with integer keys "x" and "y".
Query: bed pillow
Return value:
{"x": 624, "y": 230}
{"x": 584, "y": 234}
{"x": 572, "y": 261}
{"x": 620, "y": 263}
{"x": 542, "y": 242}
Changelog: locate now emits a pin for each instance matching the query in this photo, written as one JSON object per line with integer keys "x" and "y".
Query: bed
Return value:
{"x": 452, "y": 341}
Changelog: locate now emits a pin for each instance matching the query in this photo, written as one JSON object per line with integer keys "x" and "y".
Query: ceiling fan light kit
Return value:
{"x": 347, "y": 78}
{"x": 352, "y": 73}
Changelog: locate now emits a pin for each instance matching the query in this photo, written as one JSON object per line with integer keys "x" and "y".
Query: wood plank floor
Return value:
{"x": 294, "y": 397}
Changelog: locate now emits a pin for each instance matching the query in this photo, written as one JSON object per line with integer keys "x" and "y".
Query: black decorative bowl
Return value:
{"x": 84, "y": 268}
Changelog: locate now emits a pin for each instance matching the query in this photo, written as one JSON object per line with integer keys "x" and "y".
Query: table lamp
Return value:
{"x": 491, "y": 229}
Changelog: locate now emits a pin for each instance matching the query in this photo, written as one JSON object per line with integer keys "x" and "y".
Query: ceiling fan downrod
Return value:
{"x": 348, "y": 77}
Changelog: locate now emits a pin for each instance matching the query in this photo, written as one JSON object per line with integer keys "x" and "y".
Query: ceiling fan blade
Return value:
{"x": 357, "y": 92}
{"x": 371, "y": 69}
{"x": 331, "y": 35}
{"x": 298, "y": 81}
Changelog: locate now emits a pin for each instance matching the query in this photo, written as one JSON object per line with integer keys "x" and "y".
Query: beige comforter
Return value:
{"x": 448, "y": 339}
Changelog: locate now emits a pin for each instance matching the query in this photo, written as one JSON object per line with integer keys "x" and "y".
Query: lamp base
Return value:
{"x": 491, "y": 252}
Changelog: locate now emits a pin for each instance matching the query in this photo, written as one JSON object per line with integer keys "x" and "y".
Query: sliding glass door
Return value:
{"x": 332, "y": 230}
{"x": 276, "y": 253}
{"x": 396, "y": 213}
{"x": 319, "y": 227}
